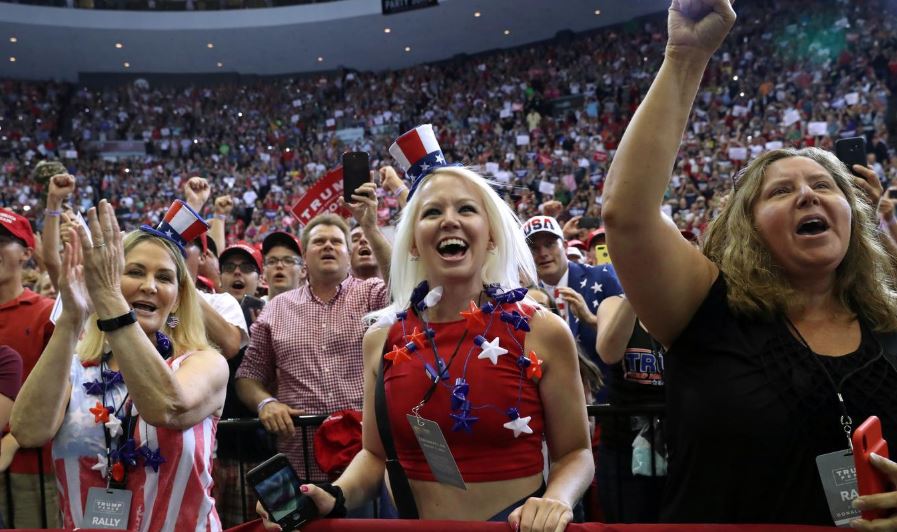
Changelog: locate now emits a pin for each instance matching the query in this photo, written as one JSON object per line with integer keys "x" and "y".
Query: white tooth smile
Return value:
{"x": 451, "y": 242}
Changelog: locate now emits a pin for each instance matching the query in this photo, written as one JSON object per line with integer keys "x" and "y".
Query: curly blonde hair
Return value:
{"x": 189, "y": 335}
{"x": 865, "y": 279}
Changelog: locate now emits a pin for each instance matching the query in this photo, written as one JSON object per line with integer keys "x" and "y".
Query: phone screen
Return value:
{"x": 280, "y": 493}
{"x": 356, "y": 172}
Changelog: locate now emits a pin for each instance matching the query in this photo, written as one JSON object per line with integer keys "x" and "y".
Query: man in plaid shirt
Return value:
{"x": 306, "y": 343}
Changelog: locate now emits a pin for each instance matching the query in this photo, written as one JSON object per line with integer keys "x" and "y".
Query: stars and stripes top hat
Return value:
{"x": 180, "y": 225}
{"x": 418, "y": 153}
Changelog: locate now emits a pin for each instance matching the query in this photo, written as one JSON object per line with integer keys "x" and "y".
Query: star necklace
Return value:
{"x": 478, "y": 317}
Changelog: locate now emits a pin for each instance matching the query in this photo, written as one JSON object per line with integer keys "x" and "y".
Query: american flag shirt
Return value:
{"x": 307, "y": 352}
{"x": 177, "y": 498}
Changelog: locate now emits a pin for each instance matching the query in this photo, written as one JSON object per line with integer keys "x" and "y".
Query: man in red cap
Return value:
{"x": 25, "y": 327}
{"x": 240, "y": 265}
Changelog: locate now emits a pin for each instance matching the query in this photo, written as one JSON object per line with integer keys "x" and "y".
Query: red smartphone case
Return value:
{"x": 867, "y": 439}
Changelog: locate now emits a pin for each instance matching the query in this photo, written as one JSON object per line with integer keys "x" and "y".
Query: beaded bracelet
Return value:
{"x": 51, "y": 212}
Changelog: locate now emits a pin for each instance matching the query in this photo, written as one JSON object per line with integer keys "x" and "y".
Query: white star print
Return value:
{"x": 583, "y": 283}
{"x": 519, "y": 425}
{"x": 114, "y": 426}
{"x": 101, "y": 464}
{"x": 424, "y": 167}
{"x": 169, "y": 233}
{"x": 440, "y": 159}
{"x": 595, "y": 303}
{"x": 492, "y": 350}
{"x": 597, "y": 287}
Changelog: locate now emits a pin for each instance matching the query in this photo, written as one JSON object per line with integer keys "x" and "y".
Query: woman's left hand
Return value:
{"x": 882, "y": 501}
{"x": 868, "y": 182}
{"x": 104, "y": 260}
{"x": 539, "y": 514}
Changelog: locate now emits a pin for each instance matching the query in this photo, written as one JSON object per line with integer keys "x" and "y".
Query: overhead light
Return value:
{"x": 220, "y": 64}
{"x": 210, "y": 45}
{"x": 477, "y": 14}
{"x": 12, "y": 59}
{"x": 507, "y": 32}
{"x": 13, "y": 40}
{"x": 127, "y": 65}
{"x": 119, "y": 45}
{"x": 320, "y": 59}
{"x": 597, "y": 11}
{"x": 734, "y": 78}
{"x": 741, "y": 94}
{"x": 387, "y": 30}
{"x": 407, "y": 48}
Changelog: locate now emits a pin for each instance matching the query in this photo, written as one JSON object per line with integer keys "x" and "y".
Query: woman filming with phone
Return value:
{"x": 463, "y": 354}
{"x": 780, "y": 331}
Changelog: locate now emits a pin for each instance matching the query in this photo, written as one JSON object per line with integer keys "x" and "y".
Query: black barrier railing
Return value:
{"x": 237, "y": 427}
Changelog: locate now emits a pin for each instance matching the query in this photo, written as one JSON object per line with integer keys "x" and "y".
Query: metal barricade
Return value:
{"x": 237, "y": 428}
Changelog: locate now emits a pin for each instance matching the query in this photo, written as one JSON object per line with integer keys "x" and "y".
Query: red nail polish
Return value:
{"x": 303, "y": 489}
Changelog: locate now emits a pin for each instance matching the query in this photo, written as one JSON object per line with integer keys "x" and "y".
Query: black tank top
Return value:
{"x": 749, "y": 410}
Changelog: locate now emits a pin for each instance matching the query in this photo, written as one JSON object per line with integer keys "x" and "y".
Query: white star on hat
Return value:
{"x": 492, "y": 350}
{"x": 519, "y": 425}
{"x": 424, "y": 167}
{"x": 597, "y": 287}
{"x": 101, "y": 464}
{"x": 114, "y": 426}
{"x": 440, "y": 159}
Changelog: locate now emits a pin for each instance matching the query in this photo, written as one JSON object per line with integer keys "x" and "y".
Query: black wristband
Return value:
{"x": 117, "y": 323}
{"x": 339, "y": 507}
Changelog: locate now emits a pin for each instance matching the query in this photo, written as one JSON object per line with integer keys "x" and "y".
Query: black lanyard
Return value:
{"x": 846, "y": 420}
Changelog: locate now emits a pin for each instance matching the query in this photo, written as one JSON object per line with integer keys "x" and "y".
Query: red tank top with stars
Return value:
{"x": 489, "y": 452}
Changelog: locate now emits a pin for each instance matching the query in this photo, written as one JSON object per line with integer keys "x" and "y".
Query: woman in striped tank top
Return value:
{"x": 133, "y": 413}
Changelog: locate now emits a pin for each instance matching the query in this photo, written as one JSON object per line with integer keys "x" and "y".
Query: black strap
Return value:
{"x": 398, "y": 481}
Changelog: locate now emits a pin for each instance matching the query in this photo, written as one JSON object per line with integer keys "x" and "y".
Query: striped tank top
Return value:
{"x": 177, "y": 498}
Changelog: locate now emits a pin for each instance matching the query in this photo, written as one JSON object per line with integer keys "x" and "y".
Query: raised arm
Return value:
{"x": 40, "y": 406}
{"x": 364, "y": 210}
{"x": 616, "y": 319}
{"x": 61, "y": 186}
{"x": 223, "y": 206}
{"x": 175, "y": 399}
{"x": 664, "y": 277}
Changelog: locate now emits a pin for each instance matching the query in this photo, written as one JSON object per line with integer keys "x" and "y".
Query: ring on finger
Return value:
{"x": 100, "y": 245}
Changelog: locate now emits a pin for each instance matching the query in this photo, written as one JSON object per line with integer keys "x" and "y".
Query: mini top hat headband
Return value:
{"x": 418, "y": 153}
{"x": 180, "y": 225}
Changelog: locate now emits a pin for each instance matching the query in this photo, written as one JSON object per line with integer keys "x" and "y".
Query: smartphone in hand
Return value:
{"x": 867, "y": 439}
{"x": 851, "y": 151}
{"x": 277, "y": 487}
{"x": 356, "y": 172}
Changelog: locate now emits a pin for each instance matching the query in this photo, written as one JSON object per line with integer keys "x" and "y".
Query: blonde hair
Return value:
{"x": 865, "y": 279}
{"x": 510, "y": 261}
{"x": 189, "y": 335}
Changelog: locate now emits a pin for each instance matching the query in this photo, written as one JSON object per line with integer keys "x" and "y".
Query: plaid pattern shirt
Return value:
{"x": 309, "y": 351}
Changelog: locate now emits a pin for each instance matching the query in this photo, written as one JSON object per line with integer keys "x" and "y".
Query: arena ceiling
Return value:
{"x": 58, "y": 43}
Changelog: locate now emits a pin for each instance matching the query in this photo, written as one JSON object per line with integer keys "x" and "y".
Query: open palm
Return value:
{"x": 72, "y": 289}
{"x": 699, "y": 25}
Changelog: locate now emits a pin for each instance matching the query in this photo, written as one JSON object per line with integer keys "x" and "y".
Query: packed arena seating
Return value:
{"x": 267, "y": 140}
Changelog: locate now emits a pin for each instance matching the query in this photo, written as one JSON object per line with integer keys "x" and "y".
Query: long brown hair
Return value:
{"x": 865, "y": 279}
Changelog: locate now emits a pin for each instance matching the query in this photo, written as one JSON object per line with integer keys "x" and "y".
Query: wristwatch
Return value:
{"x": 117, "y": 323}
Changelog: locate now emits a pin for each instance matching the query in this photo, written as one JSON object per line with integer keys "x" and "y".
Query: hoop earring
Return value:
{"x": 172, "y": 321}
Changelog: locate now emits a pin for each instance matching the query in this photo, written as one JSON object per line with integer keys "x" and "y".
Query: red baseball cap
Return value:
{"x": 17, "y": 226}
{"x": 577, "y": 244}
{"x": 247, "y": 249}
{"x": 594, "y": 235}
{"x": 337, "y": 441}
{"x": 281, "y": 238}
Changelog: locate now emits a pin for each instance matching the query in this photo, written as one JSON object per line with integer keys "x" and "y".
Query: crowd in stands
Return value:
{"x": 266, "y": 141}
